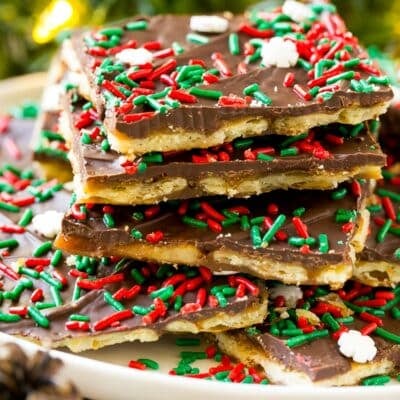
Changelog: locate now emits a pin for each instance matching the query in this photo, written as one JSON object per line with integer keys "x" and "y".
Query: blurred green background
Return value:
{"x": 29, "y": 28}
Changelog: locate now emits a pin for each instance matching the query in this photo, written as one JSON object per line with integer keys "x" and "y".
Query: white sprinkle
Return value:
{"x": 279, "y": 52}
{"x": 291, "y": 294}
{"x": 361, "y": 348}
{"x": 48, "y": 224}
{"x": 134, "y": 56}
{"x": 70, "y": 261}
{"x": 208, "y": 24}
{"x": 297, "y": 11}
{"x": 51, "y": 98}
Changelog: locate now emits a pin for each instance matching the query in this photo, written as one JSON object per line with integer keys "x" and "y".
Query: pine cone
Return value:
{"x": 24, "y": 378}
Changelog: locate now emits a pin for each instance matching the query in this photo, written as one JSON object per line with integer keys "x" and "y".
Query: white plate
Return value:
{"x": 103, "y": 374}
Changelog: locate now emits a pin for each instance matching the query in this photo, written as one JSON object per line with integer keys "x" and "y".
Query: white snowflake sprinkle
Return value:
{"x": 297, "y": 11}
{"x": 134, "y": 56}
{"x": 48, "y": 224}
{"x": 208, "y": 24}
{"x": 361, "y": 348}
{"x": 279, "y": 52}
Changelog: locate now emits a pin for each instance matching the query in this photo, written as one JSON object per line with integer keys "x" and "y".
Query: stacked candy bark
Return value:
{"x": 210, "y": 154}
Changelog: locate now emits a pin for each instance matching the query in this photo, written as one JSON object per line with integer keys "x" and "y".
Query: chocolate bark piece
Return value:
{"x": 319, "y": 159}
{"x": 96, "y": 303}
{"x": 310, "y": 354}
{"x": 213, "y": 107}
{"x": 379, "y": 262}
{"x": 293, "y": 236}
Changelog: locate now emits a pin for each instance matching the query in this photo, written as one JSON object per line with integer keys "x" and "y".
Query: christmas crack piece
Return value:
{"x": 315, "y": 336}
{"x": 319, "y": 159}
{"x": 379, "y": 262}
{"x": 310, "y": 240}
{"x": 83, "y": 303}
{"x": 170, "y": 83}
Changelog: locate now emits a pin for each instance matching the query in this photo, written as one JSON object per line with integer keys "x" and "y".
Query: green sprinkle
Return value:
{"x": 323, "y": 243}
{"x": 255, "y": 235}
{"x": 249, "y": 90}
{"x": 328, "y": 319}
{"x": 293, "y": 139}
{"x": 136, "y": 234}
{"x": 111, "y": 31}
{"x": 395, "y": 311}
{"x": 153, "y": 158}
{"x": 105, "y": 145}
{"x": 262, "y": 97}
{"x": 8, "y": 318}
{"x": 164, "y": 293}
{"x": 9, "y": 207}
{"x": 242, "y": 144}
{"x": 8, "y": 243}
{"x": 149, "y": 363}
{"x": 298, "y": 212}
{"x": 187, "y": 342}
{"x": 339, "y": 194}
{"x": 137, "y": 25}
{"x": 244, "y": 223}
{"x": 397, "y": 253}
{"x": 56, "y": 295}
{"x": 42, "y": 249}
{"x": 194, "y": 222}
{"x": 381, "y": 235}
{"x": 108, "y": 220}
{"x": 222, "y": 301}
{"x": 279, "y": 221}
{"x": 57, "y": 256}
{"x": 85, "y": 138}
{"x": 387, "y": 335}
{"x": 376, "y": 380}
{"x": 207, "y": 93}
{"x": 234, "y": 46}
{"x": 141, "y": 310}
{"x": 79, "y": 317}
{"x": 38, "y": 317}
{"x": 115, "y": 304}
{"x": 374, "y": 208}
{"x": 138, "y": 216}
{"x": 356, "y": 129}
{"x": 178, "y": 49}
{"x": 44, "y": 275}
{"x": 32, "y": 273}
{"x": 264, "y": 157}
{"x": 304, "y": 64}
{"x": 345, "y": 320}
{"x": 296, "y": 241}
{"x": 308, "y": 337}
{"x": 137, "y": 276}
{"x": 76, "y": 294}
{"x": 379, "y": 80}
{"x": 343, "y": 215}
{"x": 178, "y": 303}
{"x": 196, "y": 38}
{"x": 290, "y": 151}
